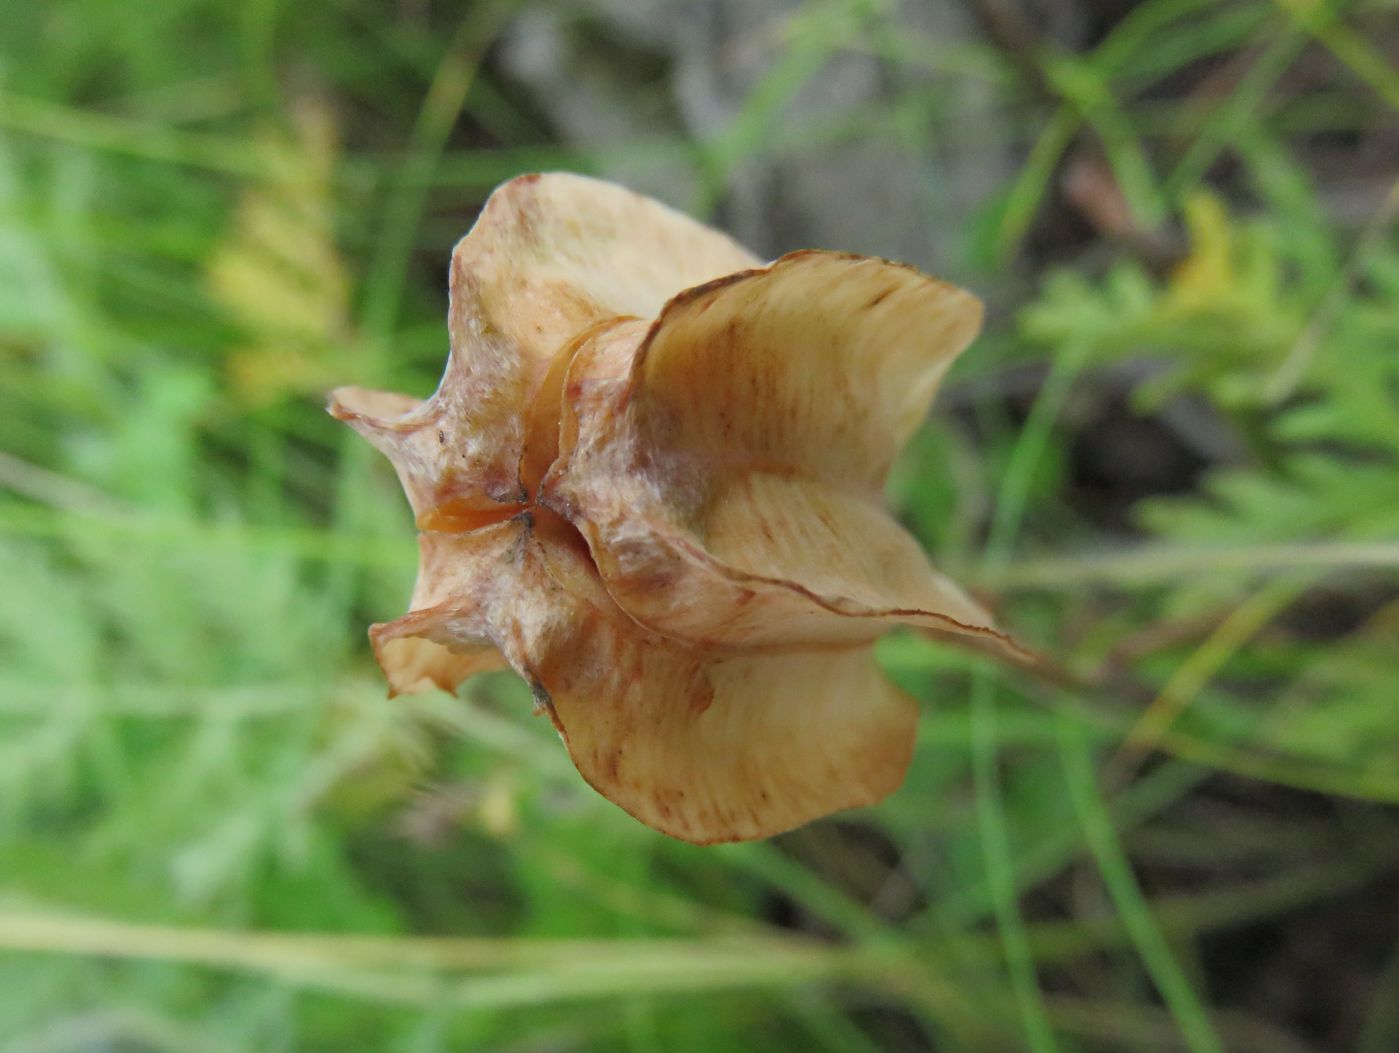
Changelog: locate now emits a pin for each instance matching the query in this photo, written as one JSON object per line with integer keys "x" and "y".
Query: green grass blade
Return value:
{"x": 1170, "y": 979}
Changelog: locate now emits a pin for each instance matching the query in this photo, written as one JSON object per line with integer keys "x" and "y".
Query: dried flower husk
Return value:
{"x": 651, "y": 482}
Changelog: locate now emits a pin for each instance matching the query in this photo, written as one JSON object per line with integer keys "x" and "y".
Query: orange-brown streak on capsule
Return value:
{"x": 457, "y": 516}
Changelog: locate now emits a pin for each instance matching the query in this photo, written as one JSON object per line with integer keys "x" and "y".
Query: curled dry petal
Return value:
{"x": 548, "y": 257}
{"x": 650, "y": 481}
{"x": 701, "y": 743}
{"x": 727, "y": 462}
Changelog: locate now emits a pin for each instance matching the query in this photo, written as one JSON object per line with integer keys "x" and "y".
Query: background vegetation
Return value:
{"x": 1172, "y": 463}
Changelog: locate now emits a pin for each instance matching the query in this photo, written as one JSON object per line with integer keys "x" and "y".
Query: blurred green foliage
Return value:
{"x": 216, "y": 833}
